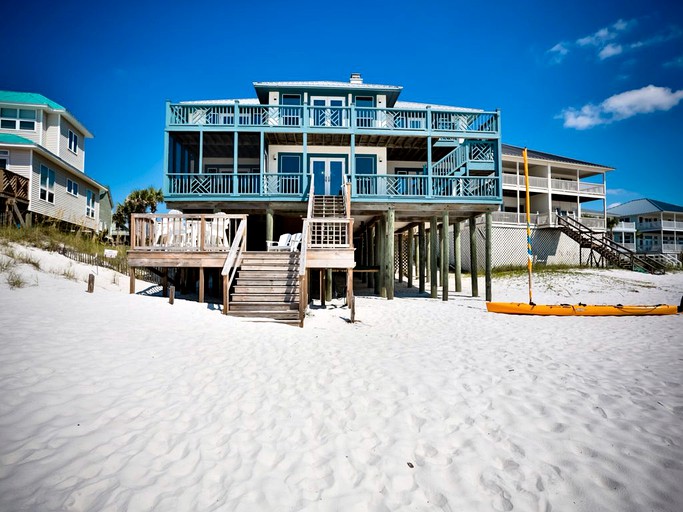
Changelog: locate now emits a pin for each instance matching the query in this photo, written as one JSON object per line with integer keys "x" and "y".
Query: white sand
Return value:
{"x": 116, "y": 402}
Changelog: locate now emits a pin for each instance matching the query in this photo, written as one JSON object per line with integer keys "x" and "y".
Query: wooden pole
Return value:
{"x": 433, "y": 251}
{"x": 328, "y": 285}
{"x": 473, "y": 256}
{"x": 489, "y": 221}
{"x": 381, "y": 239}
{"x": 389, "y": 256}
{"x": 322, "y": 287}
{"x": 164, "y": 282}
{"x": 269, "y": 224}
{"x": 445, "y": 259}
{"x": 201, "y": 283}
{"x": 91, "y": 283}
{"x": 226, "y": 296}
{"x": 457, "y": 256}
{"x": 131, "y": 272}
{"x": 171, "y": 294}
{"x": 399, "y": 241}
{"x": 350, "y": 300}
{"x": 364, "y": 253}
{"x": 371, "y": 257}
{"x": 421, "y": 256}
{"x": 411, "y": 256}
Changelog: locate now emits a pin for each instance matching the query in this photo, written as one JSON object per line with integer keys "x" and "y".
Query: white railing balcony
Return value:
{"x": 514, "y": 218}
{"x": 625, "y": 226}
{"x": 582, "y": 187}
{"x": 518, "y": 181}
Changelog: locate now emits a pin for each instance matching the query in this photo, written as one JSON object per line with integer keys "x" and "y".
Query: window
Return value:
{"x": 47, "y": 184}
{"x": 4, "y": 158}
{"x": 18, "y": 119}
{"x": 89, "y": 203}
{"x": 365, "y": 164}
{"x": 73, "y": 142}
{"x": 72, "y": 187}
{"x": 290, "y": 163}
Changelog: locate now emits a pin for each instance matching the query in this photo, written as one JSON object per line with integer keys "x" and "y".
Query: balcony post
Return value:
{"x": 304, "y": 166}
{"x": 236, "y": 116}
{"x": 352, "y": 163}
{"x": 200, "y": 163}
{"x": 261, "y": 162}
{"x": 167, "y": 181}
{"x": 235, "y": 157}
{"x": 429, "y": 167}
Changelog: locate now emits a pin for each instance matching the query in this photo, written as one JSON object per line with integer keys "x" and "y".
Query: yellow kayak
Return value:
{"x": 521, "y": 308}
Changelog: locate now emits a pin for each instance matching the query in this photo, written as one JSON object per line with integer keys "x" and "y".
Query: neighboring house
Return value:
{"x": 650, "y": 227}
{"x": 558, "y": 186}
{"x": 42, "y": 147}
{"x": 106, "y": 202}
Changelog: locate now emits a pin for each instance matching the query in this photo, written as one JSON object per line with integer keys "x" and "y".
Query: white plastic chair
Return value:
{"x": 282, "y": 243}
{"x": 294, "y": 242}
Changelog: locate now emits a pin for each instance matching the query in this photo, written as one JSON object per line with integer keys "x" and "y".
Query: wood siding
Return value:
{"x": 78, "y": 159}
{"x": 66, "y": 207}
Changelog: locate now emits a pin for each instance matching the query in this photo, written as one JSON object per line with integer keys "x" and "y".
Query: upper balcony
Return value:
{"x": 335, "y": 119}
{"x": 554, "y": 185}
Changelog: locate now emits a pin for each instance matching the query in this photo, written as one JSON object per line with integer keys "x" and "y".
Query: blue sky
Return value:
{"x": 600, "y": 81}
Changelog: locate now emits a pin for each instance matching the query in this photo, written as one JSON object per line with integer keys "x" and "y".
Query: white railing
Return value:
{"x": 329, "y": 233}
{"x": 534, "y": 181}
{"x": 513, "y": 218}
{"x": 181, "y": 232}
{"x": 625, "y": 226}
{"x": 233, "y": 260}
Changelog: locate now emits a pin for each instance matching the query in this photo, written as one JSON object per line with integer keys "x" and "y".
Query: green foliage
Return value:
{"x": 15, "y": 280}
{"x": 138, "y": 201}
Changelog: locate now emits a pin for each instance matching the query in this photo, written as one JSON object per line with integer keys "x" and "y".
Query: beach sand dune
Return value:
{"x": 110, "y": 401}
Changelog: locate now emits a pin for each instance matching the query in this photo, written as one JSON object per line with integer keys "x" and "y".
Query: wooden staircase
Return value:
{"x": 609, "y": 250}
{"x": 267, "y": 286}
{"x": 329, "y": 206}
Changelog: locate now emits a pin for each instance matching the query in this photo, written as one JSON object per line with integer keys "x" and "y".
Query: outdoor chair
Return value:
{"x": 282, "y": 243}
{"x": 294, "y": 242}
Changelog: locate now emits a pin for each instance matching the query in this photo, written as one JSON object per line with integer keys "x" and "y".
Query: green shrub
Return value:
{"x": 15, "y": 280}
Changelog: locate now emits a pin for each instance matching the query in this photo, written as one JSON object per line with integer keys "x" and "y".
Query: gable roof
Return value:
{"x": 38, "y": 100}
{"x": 640, "y": 206}
{"x": 511, "y": 150}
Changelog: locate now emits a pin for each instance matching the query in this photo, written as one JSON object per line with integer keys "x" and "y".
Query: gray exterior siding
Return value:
{"x": 78, "y": 159}
{"x": 51, "y": 133}
{"x": 66, "y": 207}
{"x": 105, "y": 223}
{"x": 19, "y": 161}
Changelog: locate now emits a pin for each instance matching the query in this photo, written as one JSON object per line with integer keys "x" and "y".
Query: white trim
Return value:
{"x": 72, "y": 136}
{"x": 72, "y": 182}
{"x": 30, "y": 179}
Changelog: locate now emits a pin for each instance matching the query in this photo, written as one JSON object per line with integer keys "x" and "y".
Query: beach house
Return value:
{"x": 42, "y": 164}
{"x": 346, "y": 164}
{"x": 650, "y": 227}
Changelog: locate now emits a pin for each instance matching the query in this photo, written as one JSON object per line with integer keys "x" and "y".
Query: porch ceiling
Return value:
{"x": 220, "y": 144}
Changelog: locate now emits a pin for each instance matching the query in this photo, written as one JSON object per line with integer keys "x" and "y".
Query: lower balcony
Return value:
{"x": 365, "y": 187}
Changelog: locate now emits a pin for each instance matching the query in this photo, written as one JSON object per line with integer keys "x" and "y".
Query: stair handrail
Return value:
{"x": 232, "y": 261}
{"x": 583, "y": 230}
{"x": 305, "y": 235}
{"x": 346, "y": 195}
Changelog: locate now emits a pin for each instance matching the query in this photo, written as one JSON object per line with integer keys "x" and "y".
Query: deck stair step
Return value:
{"x": 267, "y": 286}
{"x": 328, "y": 206}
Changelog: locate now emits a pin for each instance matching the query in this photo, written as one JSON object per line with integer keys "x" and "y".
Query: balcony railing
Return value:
{"x": 426, "y": 120}
{"x": 183, "y": 232}
{"x": 556, "y": 185}
{"x": 399, "y": 186}
{"x": 242, "y": 184}
{"x": 13, "y": 185}
{"x": 534, "y": 181}
{"x": 625, "y": 226}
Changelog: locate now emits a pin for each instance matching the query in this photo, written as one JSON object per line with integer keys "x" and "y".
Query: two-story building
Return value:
{"x": 42, "y": 162}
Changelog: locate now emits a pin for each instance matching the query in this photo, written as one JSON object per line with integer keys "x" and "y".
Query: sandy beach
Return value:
{"x": 111, "y": 401}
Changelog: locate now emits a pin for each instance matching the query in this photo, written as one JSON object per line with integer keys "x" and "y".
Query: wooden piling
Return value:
{"x": 371, "y": 258}
{"x": 389, "y": 254}
{"x": 131, "y": 272}
{"x": 91, "y": 283}
{"x": 457, "y": 256}
{"x": 411, "y": 256}
{"x": 399, "y": 241}
{"x": 473, "y": 256}
{"x": 445, "y": 260}
{"x": 421, "y": 256}
{"x": 488, "y": 255}
{"x": 201, "y": 285}
{"x": 171, "y": 294}
{"x": 433, "y": 252}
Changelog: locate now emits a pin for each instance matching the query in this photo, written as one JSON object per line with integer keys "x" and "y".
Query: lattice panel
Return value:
{"x": 329, "y": 234}
{"x": 481, "y": 151}
{"x": 200, "y": 185}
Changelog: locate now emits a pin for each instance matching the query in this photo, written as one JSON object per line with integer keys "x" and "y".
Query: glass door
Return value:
{"x": 327, "y": 175}
{"x": 327, "y": 111}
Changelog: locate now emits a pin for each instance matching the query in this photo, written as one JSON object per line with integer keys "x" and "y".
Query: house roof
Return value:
{"x": 640, "y": 206}
{"x": 38, "y": 100}
{"x": 241, "y": 101}
{"x": 10, "y": 138}
{"x": 413, "y": 104}
{"x": 391, "y": 91}
{"x": 511, "y": 150}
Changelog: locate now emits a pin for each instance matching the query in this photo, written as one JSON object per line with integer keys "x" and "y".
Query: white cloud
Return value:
{"x": 558, "y": 52}
{"x": 605, "y": 34}
{"x": 610, "y": 51}
{"x": 622, "y": 106}
{"x": 674, "y": 63}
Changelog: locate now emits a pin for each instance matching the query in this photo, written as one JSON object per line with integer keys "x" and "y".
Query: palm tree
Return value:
{"x": 138, "y": 201}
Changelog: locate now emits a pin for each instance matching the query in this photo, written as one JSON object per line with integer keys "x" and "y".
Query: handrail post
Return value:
{"x": 202, "y": 232}
{"x": 132, "y": 231}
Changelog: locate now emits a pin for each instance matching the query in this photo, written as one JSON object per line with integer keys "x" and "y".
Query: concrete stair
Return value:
{"x": 267, "y": 286}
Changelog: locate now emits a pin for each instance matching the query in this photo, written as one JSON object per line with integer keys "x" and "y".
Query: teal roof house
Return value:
{"x": 42, "y": 161}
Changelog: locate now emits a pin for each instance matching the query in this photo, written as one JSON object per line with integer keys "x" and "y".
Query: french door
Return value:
{"x": 327, "y": 175}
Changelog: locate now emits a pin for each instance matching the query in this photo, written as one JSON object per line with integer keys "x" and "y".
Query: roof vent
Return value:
{"x": 356, "y": 78}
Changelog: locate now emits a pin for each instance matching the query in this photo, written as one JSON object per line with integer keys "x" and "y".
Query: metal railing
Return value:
{"x": 344, "y": 117}
{"x": 183, "y": 232}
